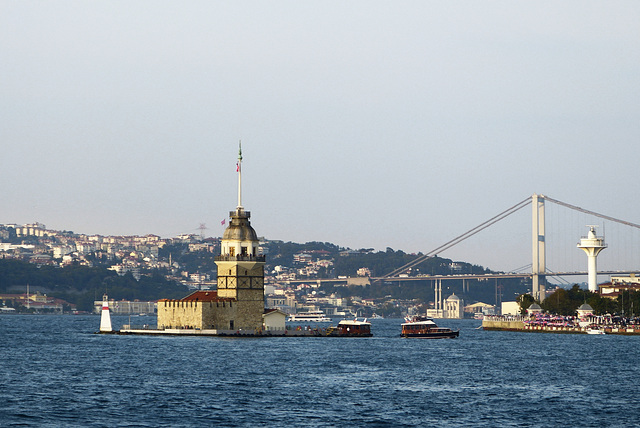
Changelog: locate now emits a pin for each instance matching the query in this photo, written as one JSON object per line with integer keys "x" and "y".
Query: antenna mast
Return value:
{"x": 202, "y": 228}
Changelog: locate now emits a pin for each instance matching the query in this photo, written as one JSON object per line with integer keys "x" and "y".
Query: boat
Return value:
{"x": 594, "y": 331}
{"x": 351, "y": 328}
{"x": 425, "y": 328}
{"x": 377, "y": 317}
{"x": 312, "y": 316}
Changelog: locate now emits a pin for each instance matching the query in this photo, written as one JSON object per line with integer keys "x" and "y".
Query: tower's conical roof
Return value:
{"x": 239, "y": 228}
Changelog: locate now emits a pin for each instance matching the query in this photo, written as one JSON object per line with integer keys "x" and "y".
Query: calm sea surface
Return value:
{"x": 56, "y": 372}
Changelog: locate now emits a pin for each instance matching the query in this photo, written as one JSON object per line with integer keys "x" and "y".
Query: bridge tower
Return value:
{"x": 538, "y": 264}
{"x": 592, "y": 245}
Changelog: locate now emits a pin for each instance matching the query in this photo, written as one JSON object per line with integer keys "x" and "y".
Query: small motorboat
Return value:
{"x": 425, "y": 328}
{"x": 351, "y": 328}
{"x": 313, "y": 316}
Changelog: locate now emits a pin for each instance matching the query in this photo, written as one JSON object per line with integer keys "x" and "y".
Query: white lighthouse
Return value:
{"x": 105, "y": 318}
{"x": 592, "y": 245}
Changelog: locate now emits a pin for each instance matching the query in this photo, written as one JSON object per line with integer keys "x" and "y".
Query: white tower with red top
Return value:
{"x": 105, "y": 318}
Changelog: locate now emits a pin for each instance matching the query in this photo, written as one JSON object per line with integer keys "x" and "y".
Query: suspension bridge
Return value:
{"x": 548, "y": 244}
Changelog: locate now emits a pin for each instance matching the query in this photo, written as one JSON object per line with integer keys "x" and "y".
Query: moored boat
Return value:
{"x": 313, "y": 316}
{"x": 351, "y": 328}
{"x": 426, "y": 328}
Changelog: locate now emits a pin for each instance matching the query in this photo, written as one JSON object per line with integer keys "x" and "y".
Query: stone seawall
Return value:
{"x": 502, "y": 325}
{"x": 140, "y": 330}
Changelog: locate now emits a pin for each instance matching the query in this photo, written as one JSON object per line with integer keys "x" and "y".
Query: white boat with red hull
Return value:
{"x": 425, "y": 328}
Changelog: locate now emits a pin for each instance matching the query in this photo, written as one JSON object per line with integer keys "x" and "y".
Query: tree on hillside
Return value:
{"x": 81, "y": 285}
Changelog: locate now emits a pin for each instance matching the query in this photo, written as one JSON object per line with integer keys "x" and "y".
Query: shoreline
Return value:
{"x": 518, "y": 324}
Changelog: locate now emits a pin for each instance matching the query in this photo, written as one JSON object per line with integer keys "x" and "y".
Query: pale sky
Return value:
{"x": 368, "y": 124}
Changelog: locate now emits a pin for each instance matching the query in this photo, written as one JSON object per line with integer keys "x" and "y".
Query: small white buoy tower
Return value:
{"x": 592, "y": 245}
{"x": 105, "y": 318}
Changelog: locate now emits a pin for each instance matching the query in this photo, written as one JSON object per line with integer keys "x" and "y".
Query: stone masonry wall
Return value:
{"x": 178, "y": 314}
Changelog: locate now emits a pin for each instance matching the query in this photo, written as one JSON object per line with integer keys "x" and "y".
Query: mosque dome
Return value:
{"x": 585, "y": 307}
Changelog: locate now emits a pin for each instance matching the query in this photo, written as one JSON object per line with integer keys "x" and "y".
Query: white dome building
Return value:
{"x": 454, "y": 307}
{"x": 534, "y": 309}
{"x": 585, "y": 310}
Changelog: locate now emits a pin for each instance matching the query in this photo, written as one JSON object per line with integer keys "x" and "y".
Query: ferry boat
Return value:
{"x": 425, "y": 328}
{"x": 313, "y": 316}
{"x": 351, "y": 328}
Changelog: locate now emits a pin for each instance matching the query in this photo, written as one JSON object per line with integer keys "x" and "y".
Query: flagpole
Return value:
{"x": 240, "y": 174}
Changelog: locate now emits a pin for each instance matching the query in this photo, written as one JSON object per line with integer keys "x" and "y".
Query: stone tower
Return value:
{"x": 240, "y": 268}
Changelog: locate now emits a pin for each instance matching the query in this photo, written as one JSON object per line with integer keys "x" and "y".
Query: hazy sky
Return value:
{"x": 363, "y": 123}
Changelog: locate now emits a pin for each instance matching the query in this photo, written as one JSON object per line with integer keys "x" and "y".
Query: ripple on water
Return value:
{"x": 57, "y": 373}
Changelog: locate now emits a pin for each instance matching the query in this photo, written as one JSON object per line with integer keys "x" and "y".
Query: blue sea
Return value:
{"x": 57, "y": 372}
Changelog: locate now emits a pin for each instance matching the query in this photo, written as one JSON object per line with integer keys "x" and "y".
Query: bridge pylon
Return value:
{"x": 538, "y": 263}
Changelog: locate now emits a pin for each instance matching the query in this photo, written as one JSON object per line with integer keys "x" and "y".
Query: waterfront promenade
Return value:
{"x": 545, "y": 323}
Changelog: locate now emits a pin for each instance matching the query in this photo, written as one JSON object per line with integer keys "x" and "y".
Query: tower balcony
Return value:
{"x": 240, "y": 212}
{"x": 590, "y": 241}
{"x": 239, "y": 258}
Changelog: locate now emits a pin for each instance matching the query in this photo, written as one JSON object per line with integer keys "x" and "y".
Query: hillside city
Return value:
{"x": 291, "y": 272}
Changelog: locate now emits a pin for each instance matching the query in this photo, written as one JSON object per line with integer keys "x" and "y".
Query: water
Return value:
{"x": 56, "y": 372}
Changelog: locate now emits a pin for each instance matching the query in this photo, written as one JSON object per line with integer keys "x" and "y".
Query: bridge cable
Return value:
{"x": 559, "y": 278}
{"x": 461, "y": 238}
{"x": 582, "y": 210}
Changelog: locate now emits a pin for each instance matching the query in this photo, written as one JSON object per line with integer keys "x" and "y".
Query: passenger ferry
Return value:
{"x": 313, "y": 316}
{"x": 351, "y": 328}
{"x": 425, "y": 328}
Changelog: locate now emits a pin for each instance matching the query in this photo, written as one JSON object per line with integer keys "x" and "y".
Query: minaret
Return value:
{"x": 592, "y": 245}
{"x": 105, "y": 318}
{"x": 240, "y": 268}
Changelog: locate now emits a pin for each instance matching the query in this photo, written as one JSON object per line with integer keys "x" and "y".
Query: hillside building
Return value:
{"x": 618, "y": 284}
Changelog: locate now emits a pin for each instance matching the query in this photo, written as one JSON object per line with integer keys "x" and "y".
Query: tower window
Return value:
{"x": 244, "y": 251}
